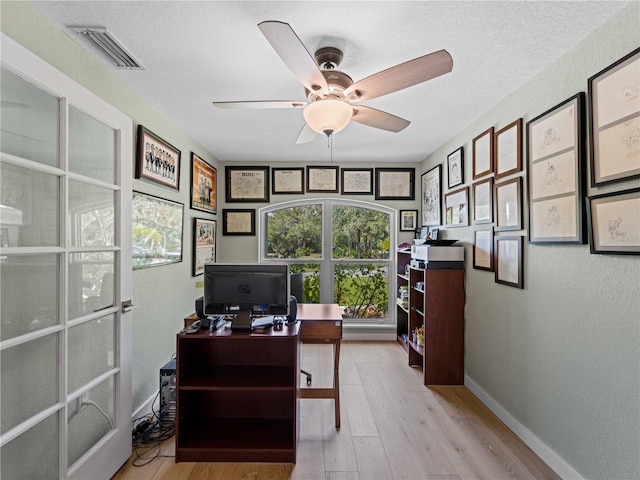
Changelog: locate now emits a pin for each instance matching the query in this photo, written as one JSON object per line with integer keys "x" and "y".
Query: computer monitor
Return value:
{"x": 246, "y": 290}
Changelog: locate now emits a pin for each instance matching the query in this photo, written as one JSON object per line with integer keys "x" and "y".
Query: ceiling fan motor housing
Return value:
{"x": 338, "y": 82}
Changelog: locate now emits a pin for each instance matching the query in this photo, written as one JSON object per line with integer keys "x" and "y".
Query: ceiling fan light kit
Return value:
{"x": 331, "y": 93}
{"x": 328, "y": 116}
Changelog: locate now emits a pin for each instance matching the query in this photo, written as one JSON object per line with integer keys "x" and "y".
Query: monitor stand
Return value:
{"x": 242, "y": 321}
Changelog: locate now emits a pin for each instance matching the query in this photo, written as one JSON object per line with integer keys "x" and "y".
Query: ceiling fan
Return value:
{"x": 332, "y": 96}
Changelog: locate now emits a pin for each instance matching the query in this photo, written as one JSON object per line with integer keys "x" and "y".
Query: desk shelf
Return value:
{"x": 237, "y": 396}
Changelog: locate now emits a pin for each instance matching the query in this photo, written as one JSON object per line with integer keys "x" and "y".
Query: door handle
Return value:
{"x": 127, "y": 306}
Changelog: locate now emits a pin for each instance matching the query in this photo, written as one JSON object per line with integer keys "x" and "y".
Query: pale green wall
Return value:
{"x": 561, "y": 356}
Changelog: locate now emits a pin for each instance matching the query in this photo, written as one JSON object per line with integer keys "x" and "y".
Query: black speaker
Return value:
{"x": 200, "y": 307}
{"x": 293, "y": 310}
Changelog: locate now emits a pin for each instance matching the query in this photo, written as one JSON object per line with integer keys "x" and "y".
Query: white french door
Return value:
{"x": 65, "y": 273}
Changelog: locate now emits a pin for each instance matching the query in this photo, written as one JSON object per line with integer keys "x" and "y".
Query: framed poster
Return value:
{"x": 508, "y": 204}
{"x": 356, "y": 181}
{"x": 395, "y": 184}
{"x": 204, "y": 244}
{"x": 157, "y": 160}
{"x": 614, "y": 222}
{"x": 247, "y": 184}
{"x": 455, "y": 167}
{"x": 322, "y": 179}
{"x": 614, "y": 114}
{"x": 483, "y": 249}
{"x": 408, "y": 220}
{"x": 482, "y": 154}
{"x": 482, "y": 193}
{"x": 287, "y": 181}
{"x": 203, "y": 185}
{"x": 431, "y": 194}
{"x": 156, "y": 231}
{"x": 556, "y": 171}
{"x": 508, "y": 149}
{"x": 238, "y": 221}
{"x": 456, "y": 206}
{"x": 508, "y": 260}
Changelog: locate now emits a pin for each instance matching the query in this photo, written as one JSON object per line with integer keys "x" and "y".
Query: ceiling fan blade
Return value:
{"x": 307, "y": 134}
{"x": 260, "y": 104}
{"x": 294, "y": 54}
{"x": 401, "y": 76}
{"x": 378, "y": 119}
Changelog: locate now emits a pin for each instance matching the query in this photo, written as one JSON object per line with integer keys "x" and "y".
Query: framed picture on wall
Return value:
{"x": 408, "y": 220}
{"x": 157, "y": 231}
{"x": 614, "y": 114}
{"x": 482, "y": 147}
{"x": 203, "y": 185}
{"x": 483, "y": 249}
{"x": 356, "y": 181}
{"x": 238, "y": 221}
{"x": 556, "y": 174}
{"x": 455, "y": 167}
{"x": 322, "y": 179}
{"x": 431, "y": 195}
{"x": 287, "y": 181}
{"x": 483, "y": 201}
{"x": 508, "y": 204}
{"x": 508, "y": 260}
{"x": 395, "y": 184}
{"x": 614, "y": 222}
{"x": 456, "y": 206}
{"x": 508, "y": 149}
{"x": 157, "y": 160}
{"x": 204, "y": 244}
{"x": 247, "y": 184}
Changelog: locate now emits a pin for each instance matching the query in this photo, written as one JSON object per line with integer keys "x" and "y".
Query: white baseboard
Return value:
{"x": 550, "y": 457}
{"x": 146, "y": 408}
{"x": 383, "y": 336}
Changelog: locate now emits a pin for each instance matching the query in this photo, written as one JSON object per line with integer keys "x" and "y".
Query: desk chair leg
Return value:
{"x": 308, "y": 376}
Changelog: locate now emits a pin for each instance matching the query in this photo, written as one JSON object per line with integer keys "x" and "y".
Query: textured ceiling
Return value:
{"x": 195, "y": 52}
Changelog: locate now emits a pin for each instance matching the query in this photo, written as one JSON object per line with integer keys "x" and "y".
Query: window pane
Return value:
{"x": 305, "y": 282}
{"x": 362, "y": 290}
{"x": 91, "y": 211}
{"x": 33, "y": 454}
{"x": 360, "y": 233}
{"x": 90, "y": 282}
{"x": 29, "y": 380}
{"x": 295, "y": 232}
{"x": 91, "y": 350}
{"x": 29, "y": 210}
{"x": 30, "y": 120}
{"x": 92, "y": 147}
{"x": 91, "y": 419}
{"x": 29, "y": 292}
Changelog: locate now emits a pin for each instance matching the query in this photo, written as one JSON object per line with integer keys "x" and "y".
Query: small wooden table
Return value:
{"x": 322, "y": 323}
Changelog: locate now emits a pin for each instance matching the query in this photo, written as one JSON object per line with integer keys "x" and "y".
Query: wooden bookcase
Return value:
{"x": 439, "y": 306}
{"x": 402, "y": 305}
{"x": 238, "y": 396}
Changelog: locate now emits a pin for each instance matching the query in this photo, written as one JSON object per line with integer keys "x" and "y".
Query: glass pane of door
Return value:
{"x": 30, "y": 120}
{"x": 29, "y": 455}
{"x": 29, "y": 207}
{"x": 29, "y": 293}
{"x": 29, "y": 380}
{"x": 92, "y": 147}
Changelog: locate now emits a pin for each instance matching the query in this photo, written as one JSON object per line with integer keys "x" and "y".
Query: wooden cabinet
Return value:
{"x": 436, "y": 300}
{"x": 238, "y": 396}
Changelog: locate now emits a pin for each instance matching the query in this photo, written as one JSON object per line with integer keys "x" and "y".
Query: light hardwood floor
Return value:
{"x": 393, "y": 427}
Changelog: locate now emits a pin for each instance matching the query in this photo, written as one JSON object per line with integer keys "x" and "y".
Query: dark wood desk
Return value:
{"x": 322, "y": 323}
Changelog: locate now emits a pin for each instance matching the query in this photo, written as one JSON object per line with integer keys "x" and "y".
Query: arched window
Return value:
{"x": 339, "y": 251}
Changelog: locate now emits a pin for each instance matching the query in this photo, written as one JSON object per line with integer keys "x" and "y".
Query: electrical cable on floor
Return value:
{"x": 149, "y": 431}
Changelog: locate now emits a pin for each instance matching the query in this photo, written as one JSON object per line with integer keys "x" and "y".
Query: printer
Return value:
{"x": 437, "y": 256}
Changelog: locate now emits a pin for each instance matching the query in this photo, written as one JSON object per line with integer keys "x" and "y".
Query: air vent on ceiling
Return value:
{"x": 103, "y": 40}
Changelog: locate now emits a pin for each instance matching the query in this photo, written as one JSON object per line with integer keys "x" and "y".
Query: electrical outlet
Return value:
{"x": 200, "y": 284}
